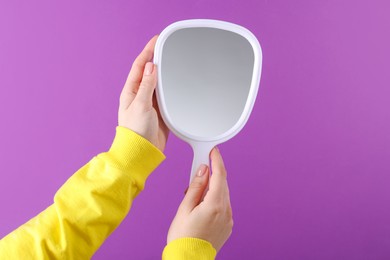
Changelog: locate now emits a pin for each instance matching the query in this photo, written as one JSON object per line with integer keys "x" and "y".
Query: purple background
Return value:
{"x": 309, "y": 174}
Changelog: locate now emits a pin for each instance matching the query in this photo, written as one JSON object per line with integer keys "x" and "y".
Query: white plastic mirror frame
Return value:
{"x": 203, "y": 145}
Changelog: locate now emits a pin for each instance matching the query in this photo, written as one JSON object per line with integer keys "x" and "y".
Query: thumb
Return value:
{"x": 148, "y": 84}
{"x": 196, "y": 189}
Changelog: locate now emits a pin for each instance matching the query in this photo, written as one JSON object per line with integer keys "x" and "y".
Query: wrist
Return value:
{"x": 189, "y": 248}
{"x": 131, "y": 151}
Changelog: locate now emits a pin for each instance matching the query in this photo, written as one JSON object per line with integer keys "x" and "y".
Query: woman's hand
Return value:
{"x": 210, "y": 218}
{"x": 138, "y": 109}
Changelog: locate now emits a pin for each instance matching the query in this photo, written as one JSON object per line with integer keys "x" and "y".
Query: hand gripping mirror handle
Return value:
{"x": 201, "y": 156}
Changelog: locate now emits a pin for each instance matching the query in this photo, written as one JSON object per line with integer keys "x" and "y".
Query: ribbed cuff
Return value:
{"x": 130, "y": 151}
{"x": 189, "y": 248}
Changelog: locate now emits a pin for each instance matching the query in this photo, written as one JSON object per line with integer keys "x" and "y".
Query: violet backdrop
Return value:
{"x": 309, "y": 174}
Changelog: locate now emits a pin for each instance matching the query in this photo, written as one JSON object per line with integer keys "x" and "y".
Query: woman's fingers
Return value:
{"x": 218, "y": 190}
{"x": 147, "y": 85}
{"x": 135, "y": 76}
{"x": 195, "y": 191}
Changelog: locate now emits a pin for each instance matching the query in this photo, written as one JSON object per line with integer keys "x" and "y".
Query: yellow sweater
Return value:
{"x": 92, "y": 203}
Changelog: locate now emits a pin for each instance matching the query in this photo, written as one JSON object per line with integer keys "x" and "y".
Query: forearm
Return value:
{"x": 89, "y": 206}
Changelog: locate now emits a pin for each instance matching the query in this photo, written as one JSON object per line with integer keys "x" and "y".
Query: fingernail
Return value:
{"x": 202, "y": 170}
{"x": 148, "y": 68}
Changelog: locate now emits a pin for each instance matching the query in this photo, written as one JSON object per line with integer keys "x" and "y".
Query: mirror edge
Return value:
{"x": 256, "y": 75}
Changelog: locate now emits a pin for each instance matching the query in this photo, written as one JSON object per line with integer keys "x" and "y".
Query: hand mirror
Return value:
{"x": 208, "y": 77}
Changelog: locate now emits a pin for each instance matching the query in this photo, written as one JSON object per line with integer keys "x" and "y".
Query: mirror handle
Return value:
{"x": 201, "y": 156}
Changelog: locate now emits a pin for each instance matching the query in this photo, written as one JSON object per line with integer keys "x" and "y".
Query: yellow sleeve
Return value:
{"x": 89, "y": 206}
{"x": 189, "y": 249}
